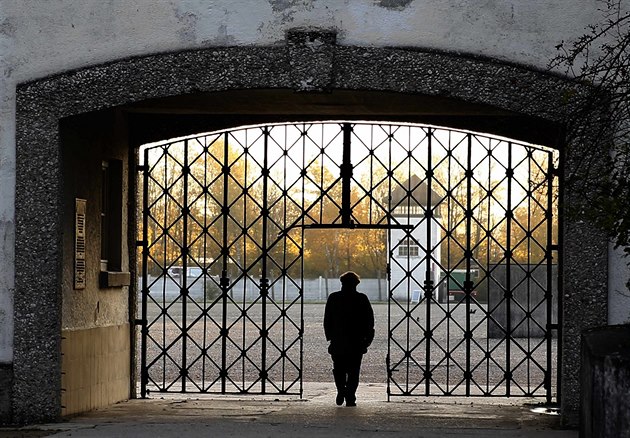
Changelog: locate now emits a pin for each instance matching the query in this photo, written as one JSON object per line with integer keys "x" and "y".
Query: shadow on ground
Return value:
{"x": 315, "y": 415}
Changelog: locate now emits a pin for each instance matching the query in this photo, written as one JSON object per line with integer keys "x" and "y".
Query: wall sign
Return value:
{"x": 79, "y": 244}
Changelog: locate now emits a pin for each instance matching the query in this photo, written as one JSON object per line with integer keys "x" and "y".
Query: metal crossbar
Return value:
{"x": 470, "y": 225}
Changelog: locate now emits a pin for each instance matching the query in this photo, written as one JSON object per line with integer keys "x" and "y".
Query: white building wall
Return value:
{"x": 402, "y": 287}
{"x": 41, "y": 38}
{"x": 618, "y": 293}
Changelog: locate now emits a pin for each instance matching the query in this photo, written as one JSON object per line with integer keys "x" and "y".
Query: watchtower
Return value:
{"x": 414, "y": 252}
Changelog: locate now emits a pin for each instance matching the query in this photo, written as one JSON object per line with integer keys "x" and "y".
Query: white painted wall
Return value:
{"x": 39, "y": 38}
{"x": 403, "y": 287}
{"x": 618, "y": 293}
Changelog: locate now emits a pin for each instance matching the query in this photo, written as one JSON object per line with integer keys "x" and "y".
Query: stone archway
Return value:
{"x": 310, "y": 62}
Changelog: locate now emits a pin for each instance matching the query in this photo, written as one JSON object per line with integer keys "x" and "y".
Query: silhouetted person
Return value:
{"x": 349, "y": 326}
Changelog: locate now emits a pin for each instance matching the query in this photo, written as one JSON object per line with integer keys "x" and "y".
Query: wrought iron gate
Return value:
{"x": 473, "y": 293}
{"x": 470, "y": 229}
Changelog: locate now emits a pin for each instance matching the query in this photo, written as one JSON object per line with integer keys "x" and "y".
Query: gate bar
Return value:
{"x": 225, "y": 281}
{"x": 389, "y": 272}
{"x": 467, "y": 257}
{"x": 353, "y": 226}
{"x": 144, "y": 372}
{"x": 264, "y": 281}
{"x": 508, "y": 276}
{"x": 549, "y": 294}
{"x": 346, "y": 176}
{"x": 184, "y": 276}
{"x": 428, "y": 283}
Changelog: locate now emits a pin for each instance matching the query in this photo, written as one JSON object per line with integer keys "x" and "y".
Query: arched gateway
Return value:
{"x": 78, "y": 120}
{"x": 229, "y": 227}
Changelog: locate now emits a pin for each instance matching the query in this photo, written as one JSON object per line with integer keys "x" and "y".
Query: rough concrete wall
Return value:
{"x": 584, "y": 274}
{"x": 38, "y": 39}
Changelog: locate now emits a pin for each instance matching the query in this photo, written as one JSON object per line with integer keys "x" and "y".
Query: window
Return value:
{"x": 111, "y": 215}
{"x": 408, "y": 248}
{"x": 411, "y": 210}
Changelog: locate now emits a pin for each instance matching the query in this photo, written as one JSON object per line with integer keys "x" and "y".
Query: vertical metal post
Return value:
{"x": 508, "y": 274}
{"x": 302, "y": 203}
{"x": 184, "y": 286}
{"x": 301, "y": 292}
{"x": 165, "y": 261}
{"x": 468, "y": 257}
{"x": 428, "y": 281}
{"x": 449, "y": 240}
{"x": 548, "y": 292}
{"x": 225, "y": 281}
{"x": 388, "y": 269}
{"x": 346, "y": 177}
{"x": 144, "y": 372}
{"x": 264, "y": 281}
{"x": 529, "y": 236}
{"x": 284, "y": 273}
{"x": 487, "y": 271}
{"x": 204, "y": 359}
{"x": 408, "y": 315}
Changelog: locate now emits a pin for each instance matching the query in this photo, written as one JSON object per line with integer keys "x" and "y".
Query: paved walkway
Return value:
{"x": 315, "y": 415}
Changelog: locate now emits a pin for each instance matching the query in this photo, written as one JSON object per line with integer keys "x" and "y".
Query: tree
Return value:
{"x": 324, "y": 245}
{"x": 600, "y": 59}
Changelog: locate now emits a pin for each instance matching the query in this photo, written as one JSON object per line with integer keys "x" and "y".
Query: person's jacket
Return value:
{"x": 348, "y": 322}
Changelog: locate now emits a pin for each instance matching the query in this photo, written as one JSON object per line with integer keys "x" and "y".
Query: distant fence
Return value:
{"x": 314, "y": 290}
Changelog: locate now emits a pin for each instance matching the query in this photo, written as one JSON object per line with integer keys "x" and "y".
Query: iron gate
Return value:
{"x": 473, "y": 291}
{"x": 469, "y": 255}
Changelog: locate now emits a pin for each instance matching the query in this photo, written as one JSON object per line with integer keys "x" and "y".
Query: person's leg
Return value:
{"x": 354, "y": 369}
{"x": 339, "y": 373}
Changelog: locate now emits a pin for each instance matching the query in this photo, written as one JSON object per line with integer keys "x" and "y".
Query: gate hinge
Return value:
{"x": 141, "y": 243}
{"x": 142, "y": 168}
{"x": 139, "y": 321}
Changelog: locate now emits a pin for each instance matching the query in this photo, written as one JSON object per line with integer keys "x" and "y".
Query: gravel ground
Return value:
{"x": 447, "y": 357}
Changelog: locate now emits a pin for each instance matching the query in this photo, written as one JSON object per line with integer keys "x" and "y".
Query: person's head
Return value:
{"x": 349, "y": 280}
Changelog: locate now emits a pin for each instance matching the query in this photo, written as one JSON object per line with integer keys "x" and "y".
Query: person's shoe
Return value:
{"x": 351, "y": 404}
{"x": 339, "y": 399}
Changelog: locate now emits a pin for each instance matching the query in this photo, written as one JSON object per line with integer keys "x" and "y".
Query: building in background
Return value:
{"x": 417, "y": 249}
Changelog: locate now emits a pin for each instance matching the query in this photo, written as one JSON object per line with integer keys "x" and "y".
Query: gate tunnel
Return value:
{"x": 69, "y": 125}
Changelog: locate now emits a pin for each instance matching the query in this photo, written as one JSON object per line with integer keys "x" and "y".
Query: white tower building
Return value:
{"x": 415, "y": 253}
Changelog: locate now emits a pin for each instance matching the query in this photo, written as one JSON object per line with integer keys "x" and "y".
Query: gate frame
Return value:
{"x": 41, "y": 104}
